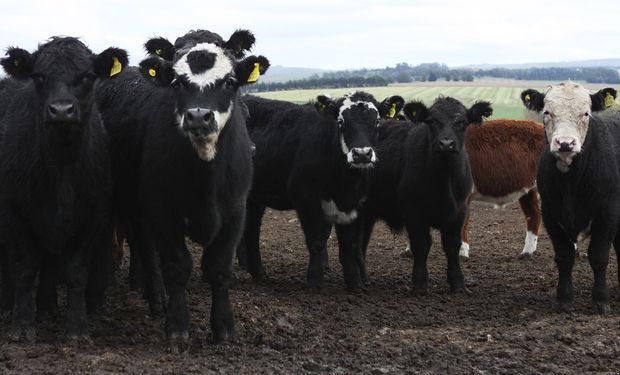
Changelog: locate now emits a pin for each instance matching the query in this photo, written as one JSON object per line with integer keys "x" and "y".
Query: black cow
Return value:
{"x": 192, "y": 159}
{"x": 317, "y": 163}
{"x": 579, "y": 181}
{"x": 55, "y": 180}
{"x": 423, "y": 181}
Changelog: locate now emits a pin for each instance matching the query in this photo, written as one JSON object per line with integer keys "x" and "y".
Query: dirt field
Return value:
{"x": 508, "y": 324}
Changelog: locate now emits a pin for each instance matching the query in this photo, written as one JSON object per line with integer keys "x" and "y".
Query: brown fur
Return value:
{"x": 504, "y": 155}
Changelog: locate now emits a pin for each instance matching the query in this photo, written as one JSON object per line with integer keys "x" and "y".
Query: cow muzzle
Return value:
{"x": 447, "y": 145}
{"x": 199, "y": 122}
{"x": 361, "y": 157}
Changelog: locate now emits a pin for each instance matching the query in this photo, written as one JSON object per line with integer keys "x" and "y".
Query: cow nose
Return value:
{"x": 197, "y": 119}
{"x": 362, "y": 155}
{"x": 446, "y": 144}
{"x": 565, "y": 144}
{"x": 61, "y": 112}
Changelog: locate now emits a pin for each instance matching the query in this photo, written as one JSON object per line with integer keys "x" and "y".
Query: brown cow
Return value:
{"x": 503, "y": 155}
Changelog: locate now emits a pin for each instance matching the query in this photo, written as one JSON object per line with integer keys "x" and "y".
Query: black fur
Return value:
{"x": 299, "y": 163}
{"x": 55, "y": 183}
{"x": 588, "y": 195}
{"x": 420, "y": 187}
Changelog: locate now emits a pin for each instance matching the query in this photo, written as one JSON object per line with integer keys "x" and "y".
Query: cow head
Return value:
{"x": 566, "y": 110}
{"x": 62, "y": 72}
{"x": 447, "y": 120}
{"x": 357, "y": 115}
{"x": 205, "y": 79}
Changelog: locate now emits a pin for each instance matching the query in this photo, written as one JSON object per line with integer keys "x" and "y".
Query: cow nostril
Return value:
{"x": 207, "y": 117}
{"x": 69, "y": 109}
{"x": 189, "y": 116}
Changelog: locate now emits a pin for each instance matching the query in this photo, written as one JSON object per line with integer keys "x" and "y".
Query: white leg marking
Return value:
{"x": 334, "y": 215}
{"x": 531, "y": 240}
{"x": 464, "y": 252}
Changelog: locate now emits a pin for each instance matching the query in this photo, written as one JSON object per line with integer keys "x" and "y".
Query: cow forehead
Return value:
{"x": 348, "y": 104}
{"x": 70, "y": 59}
{"x": 567, "y": 97}
{"x": 219, "y": 65}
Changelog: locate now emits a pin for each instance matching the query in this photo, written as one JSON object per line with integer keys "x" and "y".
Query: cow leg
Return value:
{"x": 598, "y": 256}
{"x": 451, "y": 242}
{"x": 25, "y": 263}
{"x": 565, "y": 260}
{"x": 420, "y": 240}
{"x": 348, "y": 244}
{"x": 76, "y": 276}
{"x": 365, "y": 231}
{"x": 7, "y": 291}
{"x": 47, "y": 296}
{"x": 251, "y": 240}
{"x": 324, "y": 253}
{"x": 217, "y": 268}
{"x": 316, "y": 229}
{"x": 617, "y": 249}
{"x": 144, "y": 256}
{"x": 136, "y": 277}
{"x": 464, "y": 250}
{"x": 530, "y": 205}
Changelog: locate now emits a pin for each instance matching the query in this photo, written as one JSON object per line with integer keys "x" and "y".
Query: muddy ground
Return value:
{"x": 507, "y": 325}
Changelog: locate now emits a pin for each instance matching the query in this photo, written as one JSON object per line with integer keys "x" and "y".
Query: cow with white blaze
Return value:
{"x": 318, "y": 161}
{"x": 423, "y": 181}
{"x": 195, "y": 163}
{"x": 579, "y": 181}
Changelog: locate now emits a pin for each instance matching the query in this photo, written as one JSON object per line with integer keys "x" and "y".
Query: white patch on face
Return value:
{"x": 334, "y": 215}
{"x": 220, "y": 69}
{"x": 566, "y": 106}
{"x": 206, "y": 146}
{"x": 347, "y": 104}
{"x": 464, "y": 251}
{"x": 531, "y": 241}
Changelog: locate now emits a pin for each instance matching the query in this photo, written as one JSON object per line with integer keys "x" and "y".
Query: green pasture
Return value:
{"x": 505, "y": 100}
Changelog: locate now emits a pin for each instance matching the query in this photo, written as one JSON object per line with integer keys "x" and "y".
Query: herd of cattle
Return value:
{"x": 92, "y": 150}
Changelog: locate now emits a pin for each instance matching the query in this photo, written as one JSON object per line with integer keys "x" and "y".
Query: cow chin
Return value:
{"x": 205, "y": 146}
{"x": 564, "y": 159}
{"x": 361, "y": 165}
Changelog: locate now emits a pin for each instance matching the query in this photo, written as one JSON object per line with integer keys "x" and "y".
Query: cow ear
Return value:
{"x": 249, "y": 69}
{"x": 391, "y": 106}
{"x": 602, "y": 99}
{"x": 325, "y": 105}
{"x": 160, "y": 47}
{"x": 478, "y": 112}
{"x": 240, "y": 42}
{"x": 18, "y": 63}
{"x": 110, "y": 62}
{"x": 158, "y": 71}
{"x": 416, "y": 111}
{"x": 533, "y": 100}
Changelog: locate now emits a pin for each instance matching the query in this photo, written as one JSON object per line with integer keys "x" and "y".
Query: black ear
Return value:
{"x": 160, "y": 47}
{"x": 391, "y": 106}
{"x": 110, "y": 62}
{"x": 478, "y": 112}
{"x": 240, "y": 42}
{"x": 416, "y": 111}
{"x": 158, "y": 71}
{"x": 325, "y": 105}
{"x": 602, "y": 99}
{"x": 18, "y": 63}
{"x": 249, "y": 69}
{"x": 533, "y": 100}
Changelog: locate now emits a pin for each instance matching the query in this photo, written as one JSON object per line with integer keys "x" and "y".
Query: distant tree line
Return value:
{"x": 404, "y": 73}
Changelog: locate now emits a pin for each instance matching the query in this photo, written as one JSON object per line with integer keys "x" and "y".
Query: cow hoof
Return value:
{"x": 462, "y": 290}
{"x": 5, "y": 315}
{"x": 259, "y": 276}
{"x": 419, "y": 291}
{"x": 406, "y": 254}
{"x": 601, "y": 308}
{"x": 23, "y": 334}
{"x": 463, "y": 258}
{"x": 179, "y": 343}
{"x": 563, "y": 307}
{"x": 79, "y": 341}
{"x": 156, "y": 310}
{"x": 526, "y": 256}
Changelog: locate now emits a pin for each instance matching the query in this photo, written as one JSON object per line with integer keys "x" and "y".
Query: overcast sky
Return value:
{"x": 338, "y": 34}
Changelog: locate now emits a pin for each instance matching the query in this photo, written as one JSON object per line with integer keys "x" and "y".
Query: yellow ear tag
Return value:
{"x": 609, "y": 100}
{"x": 116, "y": 67}
{"x": 255, "y": 73}
{"x": 392, "y": 111}
{"x": 158, "y": 51}
{"x": 152, "y": 72}
{"x": 527, "y": 98}
{"x": 16, "y": 62}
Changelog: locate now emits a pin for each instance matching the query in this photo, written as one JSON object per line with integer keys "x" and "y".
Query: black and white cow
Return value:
{"x": 55, "y": 180}
{"x": 423, "y": 181}
{"x": 194, "y": 161}
{"x": 317, "y": 163}
{"x": 579, "y": 181}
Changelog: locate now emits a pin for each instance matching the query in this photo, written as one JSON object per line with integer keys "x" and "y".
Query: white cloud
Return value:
{"x": 338, "y": 34}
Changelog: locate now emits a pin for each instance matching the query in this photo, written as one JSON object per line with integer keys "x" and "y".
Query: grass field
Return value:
{"x": 503, "y": 95}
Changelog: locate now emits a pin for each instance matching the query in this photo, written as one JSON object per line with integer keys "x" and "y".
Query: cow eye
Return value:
{"x": 38, "y": 78}
{"x": 586, "y": 114}
{"x": 230, "y": 82}
{"x": 87, "y": 79}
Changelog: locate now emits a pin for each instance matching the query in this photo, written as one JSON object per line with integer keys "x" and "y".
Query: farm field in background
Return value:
{"x": 504, "y": 95}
